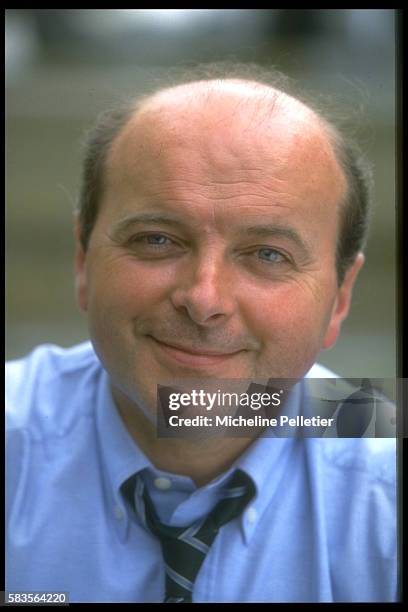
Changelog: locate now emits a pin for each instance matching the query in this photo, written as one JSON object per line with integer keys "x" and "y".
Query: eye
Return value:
{"x": 154, "y": 245}
{"x": 271, "y": 255}
{"x": 151, "y": 240}
{"x": 157, "y": 240}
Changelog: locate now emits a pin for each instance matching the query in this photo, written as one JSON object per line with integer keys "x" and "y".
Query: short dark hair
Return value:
{"x": 355, "y": 210}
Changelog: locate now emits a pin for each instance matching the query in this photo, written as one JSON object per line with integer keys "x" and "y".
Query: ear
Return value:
{"x": 80, "y": 269}
{"x": 342, "y": 303}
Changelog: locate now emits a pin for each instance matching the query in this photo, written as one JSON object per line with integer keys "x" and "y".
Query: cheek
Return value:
{"x": 127, "y": 288}
{"x": 285, "y": 314}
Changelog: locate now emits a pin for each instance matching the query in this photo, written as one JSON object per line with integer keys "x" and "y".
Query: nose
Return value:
{"x": 205, "y": 293}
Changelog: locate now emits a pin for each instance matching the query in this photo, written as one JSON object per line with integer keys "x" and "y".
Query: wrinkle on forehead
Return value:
{"x": 227, "y": 132}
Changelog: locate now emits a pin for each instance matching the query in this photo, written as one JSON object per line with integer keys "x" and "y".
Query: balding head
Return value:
{"x": 204, "y": 109}
{"x": 208, "y": 113}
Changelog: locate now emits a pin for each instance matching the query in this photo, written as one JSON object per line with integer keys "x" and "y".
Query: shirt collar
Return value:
{"x": 264, "y": 460}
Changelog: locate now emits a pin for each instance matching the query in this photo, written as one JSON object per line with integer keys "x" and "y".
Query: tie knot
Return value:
{"x": 185, "y": 548}
{"x": 235, "y": 496}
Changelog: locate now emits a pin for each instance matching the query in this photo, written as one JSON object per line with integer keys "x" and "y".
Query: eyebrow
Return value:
{"x": 263, "y": 230}
{"x": 152, "y": 218}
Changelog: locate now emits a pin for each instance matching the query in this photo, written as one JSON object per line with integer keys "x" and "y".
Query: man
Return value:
{"x": 219, "y": 234}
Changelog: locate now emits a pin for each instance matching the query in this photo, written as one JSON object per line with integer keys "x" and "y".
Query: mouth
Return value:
{"x": 192, "y": 357}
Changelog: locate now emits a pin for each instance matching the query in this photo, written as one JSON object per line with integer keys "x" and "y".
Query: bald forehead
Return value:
{"x": 240, "y": 113}
{"x": 223, "y": 119}
{"x": 228, "y": 104}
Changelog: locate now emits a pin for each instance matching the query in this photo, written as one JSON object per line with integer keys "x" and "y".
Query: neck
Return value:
{"x": 202, "y": 460}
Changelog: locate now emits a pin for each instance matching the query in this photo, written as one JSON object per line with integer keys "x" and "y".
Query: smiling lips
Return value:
{"x": 193, "y": 358}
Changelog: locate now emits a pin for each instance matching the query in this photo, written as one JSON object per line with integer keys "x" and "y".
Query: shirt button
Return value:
{"x": 251, "y": 515}
{"x": 162, "y": 483}
{"x": 118, "y": 512}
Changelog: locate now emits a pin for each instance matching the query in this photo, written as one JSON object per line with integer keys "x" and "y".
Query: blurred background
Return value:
{"x": 64, "y": 66}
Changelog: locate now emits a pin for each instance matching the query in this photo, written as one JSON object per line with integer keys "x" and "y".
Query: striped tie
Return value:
{"x": 185, "y": 548}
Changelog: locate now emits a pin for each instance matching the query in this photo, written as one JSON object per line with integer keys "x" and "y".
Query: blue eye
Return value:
{"x": 271, "y": 255}
{"x": 152, "y": 245}
{"x": 157, "y": 240}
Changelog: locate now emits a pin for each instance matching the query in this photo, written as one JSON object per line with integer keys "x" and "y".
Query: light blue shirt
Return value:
{"x": 321, "y": 528}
